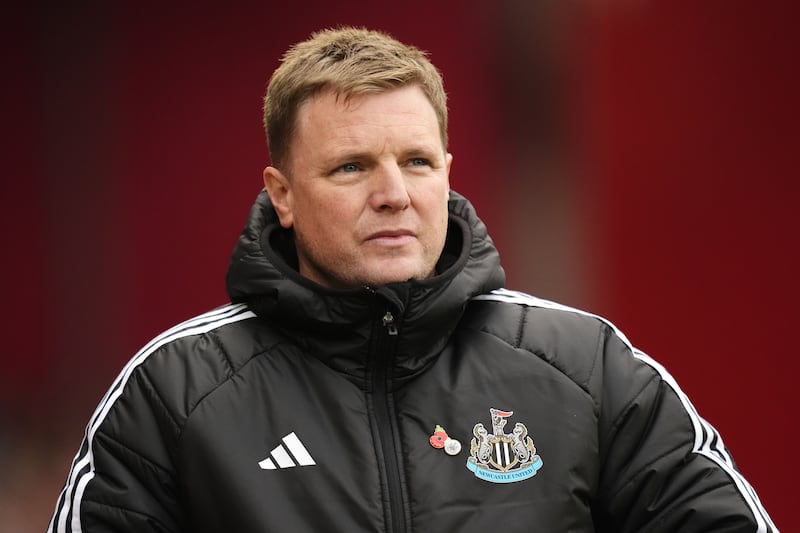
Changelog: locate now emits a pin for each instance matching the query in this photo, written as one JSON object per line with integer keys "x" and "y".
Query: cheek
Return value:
{"x": 322, "y": 221}
{"x": 437, "y": 219}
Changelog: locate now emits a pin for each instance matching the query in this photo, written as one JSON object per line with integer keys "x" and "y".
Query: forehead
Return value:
{"x": 402, "y": 113}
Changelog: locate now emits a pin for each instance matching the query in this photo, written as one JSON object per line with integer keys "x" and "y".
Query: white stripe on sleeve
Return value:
{"x": 82, "y": 470}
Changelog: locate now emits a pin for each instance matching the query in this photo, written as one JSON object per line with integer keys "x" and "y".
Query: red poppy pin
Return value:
{"x": 440, "y": 440}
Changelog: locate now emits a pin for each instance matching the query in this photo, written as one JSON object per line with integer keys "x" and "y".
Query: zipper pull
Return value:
{"x": 388, "y": 323}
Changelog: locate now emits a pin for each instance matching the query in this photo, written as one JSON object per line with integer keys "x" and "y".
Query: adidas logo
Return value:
{"x": 282, "y": 457}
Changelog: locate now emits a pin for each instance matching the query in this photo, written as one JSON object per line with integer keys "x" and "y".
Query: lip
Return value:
{"x": 391, "y": 237}
{"x": 391, "y": 233}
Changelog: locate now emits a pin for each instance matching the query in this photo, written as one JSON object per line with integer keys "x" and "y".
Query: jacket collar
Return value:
{"x": 339, "y": 326}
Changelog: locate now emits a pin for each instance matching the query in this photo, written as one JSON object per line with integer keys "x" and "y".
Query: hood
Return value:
{"x": 337, "y": 326}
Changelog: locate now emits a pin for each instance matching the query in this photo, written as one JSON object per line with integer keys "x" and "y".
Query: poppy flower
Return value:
{"x": 439, "y": 437}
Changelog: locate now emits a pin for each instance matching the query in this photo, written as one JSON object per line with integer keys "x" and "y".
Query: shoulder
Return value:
{"x": 203, "y": 337}
{"x": 184, "y": 363}
{"x": 536, "y": 324}
{"x": 571, "y": 340}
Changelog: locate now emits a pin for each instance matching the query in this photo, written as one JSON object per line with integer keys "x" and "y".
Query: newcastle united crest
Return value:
{"x": 502, "y": 457}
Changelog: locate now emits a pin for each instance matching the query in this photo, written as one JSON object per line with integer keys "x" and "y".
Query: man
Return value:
{"x": 349, "y": 385}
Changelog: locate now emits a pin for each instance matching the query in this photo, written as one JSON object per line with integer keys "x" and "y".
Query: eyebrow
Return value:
{"x": 339, "y": 159}
{"x": 424, "y": 150}
{"x": 361, "y": 154}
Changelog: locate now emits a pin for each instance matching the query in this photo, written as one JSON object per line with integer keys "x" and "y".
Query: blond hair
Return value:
{"x": 349, "y": 61}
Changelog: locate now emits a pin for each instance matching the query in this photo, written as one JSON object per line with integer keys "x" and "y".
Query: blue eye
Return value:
{"x": 419, "y": 161}
{"x": 349, "y": 167}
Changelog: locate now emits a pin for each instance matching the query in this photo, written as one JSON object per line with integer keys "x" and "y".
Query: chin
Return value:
{"x": 386, "y": 276}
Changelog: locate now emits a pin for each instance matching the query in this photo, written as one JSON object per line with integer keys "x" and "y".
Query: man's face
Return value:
{"x": 365, "y": 189}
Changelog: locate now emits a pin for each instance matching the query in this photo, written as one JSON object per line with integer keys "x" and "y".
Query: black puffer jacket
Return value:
{"x": 445, "y": 405}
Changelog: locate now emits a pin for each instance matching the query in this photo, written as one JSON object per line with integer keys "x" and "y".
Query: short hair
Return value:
{"x": 349, "y": 61}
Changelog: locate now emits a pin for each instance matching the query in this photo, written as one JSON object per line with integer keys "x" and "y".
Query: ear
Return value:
{"x": 279, "y": 189}
{"x": 449, "y": 161}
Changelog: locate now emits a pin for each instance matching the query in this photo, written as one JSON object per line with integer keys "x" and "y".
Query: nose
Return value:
{"x": 389, "y": 188}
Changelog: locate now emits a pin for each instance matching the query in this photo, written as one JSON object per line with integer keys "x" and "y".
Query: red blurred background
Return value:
{"x": 636, "y": 159}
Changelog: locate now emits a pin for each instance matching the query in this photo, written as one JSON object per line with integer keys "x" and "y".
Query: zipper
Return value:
{"x": 385, "y": 421}
{"x": 388, "y": 323}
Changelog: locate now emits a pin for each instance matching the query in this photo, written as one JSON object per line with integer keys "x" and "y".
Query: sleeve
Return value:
{"x": 122, "y": 478}
{"x": 663, "y": 468}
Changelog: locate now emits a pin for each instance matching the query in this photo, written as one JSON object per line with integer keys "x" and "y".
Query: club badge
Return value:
{"x": 501, "y": 457}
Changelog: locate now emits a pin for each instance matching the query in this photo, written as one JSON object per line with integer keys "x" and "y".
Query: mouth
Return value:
{"x": 391, "y": 237}
{"x": 391, "y": 233}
